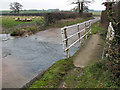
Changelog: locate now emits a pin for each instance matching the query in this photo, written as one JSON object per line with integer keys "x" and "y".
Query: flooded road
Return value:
{"x": 24, "y": 58}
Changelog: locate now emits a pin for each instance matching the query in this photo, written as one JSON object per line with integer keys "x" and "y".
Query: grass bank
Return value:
{"x": 92, "y": 76}
{"x": 54, "y": 75}
{"x": 68, "y": 22}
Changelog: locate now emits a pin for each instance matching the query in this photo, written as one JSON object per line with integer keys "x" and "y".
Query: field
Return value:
{"x": 27, "y": 11}
{"x": 10, "y": 25}
{"x": 96, "y": 13}
{"x": 9, "y": 21}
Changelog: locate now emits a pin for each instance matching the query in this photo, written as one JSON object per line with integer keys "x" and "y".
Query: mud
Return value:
{"x": 90, "y": 53}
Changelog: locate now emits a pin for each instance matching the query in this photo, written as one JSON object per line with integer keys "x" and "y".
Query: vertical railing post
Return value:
{"x": 86, "y": 29}
{"x": 62, "y": 34}
{"x": 90, "y": 23}
{"x": 79, "y": 34}
{"x": 66, "y": 41}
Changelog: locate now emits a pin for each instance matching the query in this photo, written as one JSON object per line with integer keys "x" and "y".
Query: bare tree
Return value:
{"x": 81, "y": 4}
{"x": 111, "y": 0}
{"x": 16, "y": 7}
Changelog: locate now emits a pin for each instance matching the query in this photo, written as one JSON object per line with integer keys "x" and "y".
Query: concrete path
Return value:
{"x": 91, "y": 52}
{"x": 26, "y": 57}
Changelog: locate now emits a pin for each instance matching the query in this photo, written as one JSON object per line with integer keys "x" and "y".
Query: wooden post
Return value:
{"x": 65, "y": 32}
{"x": 79, "y": 34}
{"x": 62, "y": 33}
{"x": 90, "y": 27}
{"x": 85, "y": 29}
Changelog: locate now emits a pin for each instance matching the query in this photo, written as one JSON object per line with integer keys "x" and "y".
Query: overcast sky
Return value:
{"x": 48, "y": 4}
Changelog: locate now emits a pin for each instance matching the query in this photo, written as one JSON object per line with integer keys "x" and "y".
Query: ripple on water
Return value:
{"x": 5, "y": 37}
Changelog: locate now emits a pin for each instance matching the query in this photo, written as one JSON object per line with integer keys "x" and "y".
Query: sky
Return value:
{"x": 48, "y": 4}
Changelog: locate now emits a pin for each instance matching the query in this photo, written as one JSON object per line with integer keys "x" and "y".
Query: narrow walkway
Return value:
{"x": 91, "y": 52}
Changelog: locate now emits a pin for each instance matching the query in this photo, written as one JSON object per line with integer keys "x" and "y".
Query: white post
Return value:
{"x": 62, "y": 34}
{"x": 79, "y": 34}
{"x": 90, "y": 27}
{"x": 67, "y": 51}
{"x": 110, "y": 33}
{"x": 86, "y": 29}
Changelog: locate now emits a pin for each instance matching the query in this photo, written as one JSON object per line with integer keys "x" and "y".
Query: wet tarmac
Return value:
{"x": 24, "y": 58}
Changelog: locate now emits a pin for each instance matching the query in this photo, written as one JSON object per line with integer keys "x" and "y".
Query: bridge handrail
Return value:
{"x": 65, "y": 37}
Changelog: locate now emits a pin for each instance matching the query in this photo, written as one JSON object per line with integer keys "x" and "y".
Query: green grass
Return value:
{"x": 9, "y": 22}
{"x": 52, "y": 77}
{"x": 27, "y": 11}
{"x": 13, "y": 27}
{"x": 96, "y": 13}
{"x": 93, "y": 76}
{"x": 71, "y": 22}
{"x": 95, "y": 28}
{"x": 32, "y": 11}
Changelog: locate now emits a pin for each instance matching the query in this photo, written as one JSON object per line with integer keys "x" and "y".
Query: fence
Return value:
{"x": 111, "y": 32}
{"x": 81, "y": 33}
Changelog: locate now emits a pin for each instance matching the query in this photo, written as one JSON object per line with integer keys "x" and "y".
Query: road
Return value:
{"x": 24, "y": 58}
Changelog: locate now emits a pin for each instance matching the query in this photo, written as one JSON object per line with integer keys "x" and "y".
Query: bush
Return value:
{"x": 112, "y": 14}
{"x": 24, "y": 31}
{"x": 17, "y": 32}
{"x": 41, "y": 23}
{"x": 55, "y": 16}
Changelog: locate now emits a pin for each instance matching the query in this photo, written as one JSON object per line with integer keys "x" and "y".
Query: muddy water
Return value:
{"x": 23, "y": 58}
{"x": 0, "y": 74}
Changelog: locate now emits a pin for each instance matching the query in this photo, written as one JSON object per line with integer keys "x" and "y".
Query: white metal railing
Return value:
{"x": 111, "y": 32}
{"x": 79, "y": 33}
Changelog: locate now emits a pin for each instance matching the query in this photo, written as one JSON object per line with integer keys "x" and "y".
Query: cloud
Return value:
{"x": 47, "y": 4}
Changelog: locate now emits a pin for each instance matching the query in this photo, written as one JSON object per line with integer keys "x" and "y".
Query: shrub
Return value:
{"x": 55, "y": 16}
{"x": 41, "y": 23}
{"x": 24, "y": 31}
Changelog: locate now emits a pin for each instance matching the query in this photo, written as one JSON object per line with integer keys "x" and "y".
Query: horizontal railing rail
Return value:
{"x": 65, "y": 38}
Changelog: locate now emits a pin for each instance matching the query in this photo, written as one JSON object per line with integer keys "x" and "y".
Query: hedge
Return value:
{"x": 55, "y": 16}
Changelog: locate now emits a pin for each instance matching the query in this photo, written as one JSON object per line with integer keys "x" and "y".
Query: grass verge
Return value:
{"x": 52, "y": 77}
{"x": 68, "y": 22}
{"x": 92, "y": 76}
{"x": 96, "y": 27}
